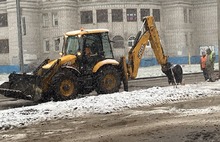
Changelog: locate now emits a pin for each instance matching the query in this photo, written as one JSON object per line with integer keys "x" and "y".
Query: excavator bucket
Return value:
{"x": 174, "y": 73}
{"x": 22, "y": 86}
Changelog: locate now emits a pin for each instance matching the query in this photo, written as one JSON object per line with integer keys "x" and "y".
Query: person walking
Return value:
{"x": 210, "y": 59}
{"x": 203, "y": 65}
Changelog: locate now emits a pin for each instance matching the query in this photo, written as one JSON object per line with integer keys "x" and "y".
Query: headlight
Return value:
{"x": 78, "y": 53}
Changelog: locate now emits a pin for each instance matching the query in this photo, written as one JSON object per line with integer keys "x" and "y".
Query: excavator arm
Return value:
{"x": 147, "y": 33}
{"x": 135, "y": 55}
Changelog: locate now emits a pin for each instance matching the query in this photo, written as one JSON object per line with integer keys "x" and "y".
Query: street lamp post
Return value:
{"x": 21, "y": 62}
{"x": 218, "y": 15}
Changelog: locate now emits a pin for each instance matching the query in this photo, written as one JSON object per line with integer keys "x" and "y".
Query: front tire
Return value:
{"x": 108, "y": 80}
{"x": 65, "y": 86}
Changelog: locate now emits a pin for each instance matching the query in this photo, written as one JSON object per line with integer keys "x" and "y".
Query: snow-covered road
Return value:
{"x": 103, "y": 104}
{"x": 108, "y": 103}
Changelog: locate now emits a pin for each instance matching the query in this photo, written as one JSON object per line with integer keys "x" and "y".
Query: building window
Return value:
{"x": 144, "y": 13}
{"x": 117, "y": 15}
{"x": 55, "y": 19}
{"x": 190, "y": 16}
{"x": 46, "y": 45}
{"x": 131, "y": 15}
{"x": 23, "y": 25}
{"x": 131, "y": 41}
{"x": 190, "y": 39}
{"x": 45, "y": 20}
{"x": 156, "y": 15}
{"x": 57, "y": 44}
{"x": 86, "y": 17}
{"x": 186, "y": 39}
{"x": 185, "y": 15}
{"x": 4, "y": 46}
{"x": 102, "y": 15}
{"x": 3, "y": 20}
{"x": 118, "y": 42}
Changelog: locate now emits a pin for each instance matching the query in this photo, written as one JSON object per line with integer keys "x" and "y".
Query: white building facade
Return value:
{"x": 184, "y": 26}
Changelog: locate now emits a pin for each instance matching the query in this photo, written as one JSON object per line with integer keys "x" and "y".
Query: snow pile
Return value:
{"x": 101, "y": 104}
{"x": 108, "y": 103}
{"x": 3, "y": 78}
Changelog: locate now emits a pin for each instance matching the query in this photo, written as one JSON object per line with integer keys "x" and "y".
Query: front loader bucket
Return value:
{"x": 22, "y": 86}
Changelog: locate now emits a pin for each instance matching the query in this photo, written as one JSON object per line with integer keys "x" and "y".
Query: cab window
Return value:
{"x": 93, "y": 42}
{"x": 107, "y": 46}
{"x": 72, "y": 45}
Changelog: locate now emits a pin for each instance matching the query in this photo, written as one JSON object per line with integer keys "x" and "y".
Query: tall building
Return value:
{"x": 185, "y": 26}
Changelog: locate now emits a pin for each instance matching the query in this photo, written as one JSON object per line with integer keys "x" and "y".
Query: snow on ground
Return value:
{"x": 109, "y": 103}
{"x": 156, "y": 70}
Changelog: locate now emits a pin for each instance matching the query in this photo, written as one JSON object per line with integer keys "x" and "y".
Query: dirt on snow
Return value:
{"x": 145, "y": 124}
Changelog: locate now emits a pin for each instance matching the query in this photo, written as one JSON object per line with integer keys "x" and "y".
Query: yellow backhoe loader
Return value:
{"x": 86, "y": 64}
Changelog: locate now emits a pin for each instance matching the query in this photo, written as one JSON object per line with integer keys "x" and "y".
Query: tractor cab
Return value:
{"x": 88, "y": 43}
{"x": 89, "y": 47}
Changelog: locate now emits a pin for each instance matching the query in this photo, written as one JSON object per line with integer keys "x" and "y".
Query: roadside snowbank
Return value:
{"x": 103, "y": 104}
{"x": 108, "y": 103}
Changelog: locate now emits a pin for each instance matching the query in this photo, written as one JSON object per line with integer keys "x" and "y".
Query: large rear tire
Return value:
{"x": 65, "y": 86}
{"x": 108, "y": 80}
